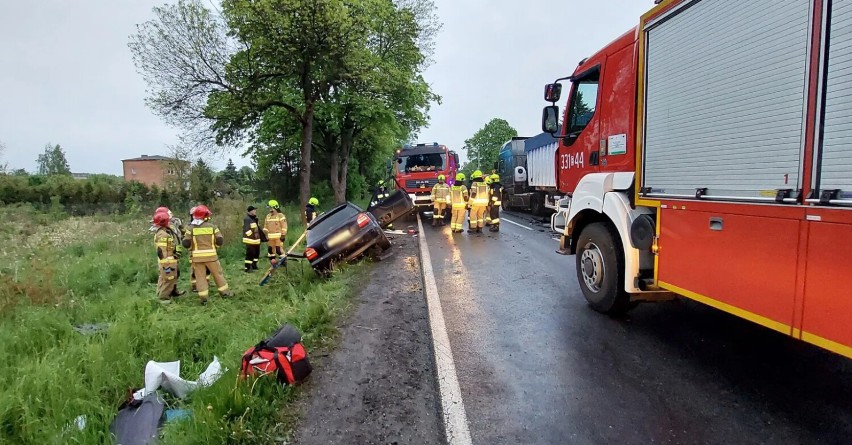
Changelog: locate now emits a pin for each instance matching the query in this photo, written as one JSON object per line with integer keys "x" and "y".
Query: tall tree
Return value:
{"x": 52, "y": 161}
{"x": 230, "y": 173}
{"x": 483, "y": 148}
{"x": 201, "y": 182}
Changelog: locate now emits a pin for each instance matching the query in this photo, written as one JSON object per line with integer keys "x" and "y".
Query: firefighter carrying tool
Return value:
{"x": 494, "y": 204}
{"x": 458, "y": 200}
{"x": 479, "y": 198}
{"x": 252, "y": 237}
{"x": 275, "y": 228}
{"x": 202, "y": 239}
{"x": 165, "y": 239}
{"x": 440, "y": 199}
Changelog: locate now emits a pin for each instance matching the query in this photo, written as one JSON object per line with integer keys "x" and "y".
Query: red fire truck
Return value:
{"x": 417, "y": 168}
{"x": 708, "y": 153}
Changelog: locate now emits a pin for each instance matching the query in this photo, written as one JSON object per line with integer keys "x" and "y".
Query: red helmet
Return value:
{"x": 201, "y": 212}
{"x": 161, "y": 209}
{"x": 161, "y": 219}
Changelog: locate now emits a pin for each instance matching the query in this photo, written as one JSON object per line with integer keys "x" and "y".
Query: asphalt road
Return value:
{"x": 536, "y": 365}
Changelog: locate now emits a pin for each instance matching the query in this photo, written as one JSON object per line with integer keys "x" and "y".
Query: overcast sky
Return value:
{"x": 66, "y": 75}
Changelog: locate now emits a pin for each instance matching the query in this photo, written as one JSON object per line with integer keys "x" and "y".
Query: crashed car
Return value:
{"x": 347, "y": 232}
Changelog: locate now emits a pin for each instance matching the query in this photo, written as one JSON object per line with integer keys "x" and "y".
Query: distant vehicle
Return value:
{"x": 708, "y": 153}
{"x": 527, "y": 169}
{"x": 347, "y": 232}
{"x": 416, "y": 169}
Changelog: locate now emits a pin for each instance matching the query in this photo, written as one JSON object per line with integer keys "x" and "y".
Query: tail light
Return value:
{"x": 363, "y": 220}
{"x": 310, "y": 253}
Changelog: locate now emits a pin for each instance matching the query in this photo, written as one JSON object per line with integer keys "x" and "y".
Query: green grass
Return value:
{"x": 59, "y": 272}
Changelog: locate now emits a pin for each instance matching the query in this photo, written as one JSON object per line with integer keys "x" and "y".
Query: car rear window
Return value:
{"x": 332, "y": 220}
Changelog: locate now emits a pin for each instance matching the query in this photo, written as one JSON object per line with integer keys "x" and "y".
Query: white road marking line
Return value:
{"x": 455, "y": 418}
{"x": 503, "y": 218}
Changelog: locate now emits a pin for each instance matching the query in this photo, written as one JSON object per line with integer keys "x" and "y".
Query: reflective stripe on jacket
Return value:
{"x": 202, "y": 239}
{"x": 441, "y": 193}
{"x": 251, "y": 232}
{"x": 479, "y": 193}
{"x": 275, "y": 225}
{"x": 458, "y": 196}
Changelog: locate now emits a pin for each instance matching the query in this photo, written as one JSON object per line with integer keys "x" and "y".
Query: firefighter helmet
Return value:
{"x": 163, "y": 209}
{"x": 442, "y": 178}
{"x": 274, "y": 204}
{"x": 488, "y": 180}
{"x": 460, "y": 177}
{"x": 381, "y": 182}
{"x": 313, "y": 202}
{"x": 161, "y": 219}
{"x": 495, "y": 178}
{"x": 476, "y": 174}
{"x": 201, "y": 212}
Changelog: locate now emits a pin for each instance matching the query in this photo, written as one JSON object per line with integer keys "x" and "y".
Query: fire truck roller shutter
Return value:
{"x": 835, "y": 169}
{"x": 724, "y": 97}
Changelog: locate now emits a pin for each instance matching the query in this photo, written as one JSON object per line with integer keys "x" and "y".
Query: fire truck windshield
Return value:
{"x": 422, "y": 162}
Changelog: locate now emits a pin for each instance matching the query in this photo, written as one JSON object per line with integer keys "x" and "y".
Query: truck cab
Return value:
{"x": 416, "y": 169}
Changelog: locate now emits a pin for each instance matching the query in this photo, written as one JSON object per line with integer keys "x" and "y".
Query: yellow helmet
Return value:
{"x": 442, "y": 178}
{"x": 459, "y": 177}
{"x": 313, "y": 202}
{"x": 488, "y": 180}
{"x": 494, "y": 178}
{"x": 476, "y": 174}
{"x": 274, "y": 204}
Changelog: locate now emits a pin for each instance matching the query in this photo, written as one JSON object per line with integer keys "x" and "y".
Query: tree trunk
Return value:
{"x": 305, "y": 162}
{"x": 345, "y": 149}
{"x": 334, "y": 172}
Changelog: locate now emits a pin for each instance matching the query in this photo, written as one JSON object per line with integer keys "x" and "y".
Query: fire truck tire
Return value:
{"x": 600, "y": 269}
{"x": 504, "y": 202}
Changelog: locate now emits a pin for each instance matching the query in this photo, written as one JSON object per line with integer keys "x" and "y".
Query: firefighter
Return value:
{"x": 479, "y": 197}
{"x": 252, "y": 237}
{"x": 202, "y": 239}
{"x": 380, "y": 192}
{"x": 495, "y": 203}
{"x": 311, "y": 210}
{"x": 275, "y": 229}
{"x": 166, "y": 242}
{"x": 440, "y": 199}
{"x": 458, "y": 201}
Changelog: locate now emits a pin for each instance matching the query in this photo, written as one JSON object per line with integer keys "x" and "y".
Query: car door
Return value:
{"x": 579, "y": 151}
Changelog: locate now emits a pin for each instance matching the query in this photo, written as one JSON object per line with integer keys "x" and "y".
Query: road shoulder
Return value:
{"x": 378, "y": 386}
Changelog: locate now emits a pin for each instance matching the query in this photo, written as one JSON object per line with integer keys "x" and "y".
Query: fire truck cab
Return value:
{"x": 708, "y": 154}
{"x": 416, "y": 169}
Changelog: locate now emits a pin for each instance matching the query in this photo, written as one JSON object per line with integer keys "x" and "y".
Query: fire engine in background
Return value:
{"x": 709, "y": 154}
{"x": 527, "y": 168}
{"x": 416, "y": 169}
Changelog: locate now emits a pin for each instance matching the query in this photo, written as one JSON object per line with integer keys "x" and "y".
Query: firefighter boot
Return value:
{"x": 434, "y": 221}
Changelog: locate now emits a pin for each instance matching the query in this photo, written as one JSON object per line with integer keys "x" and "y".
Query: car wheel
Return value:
{"x": 383, "y": 242}
{"x": 600, "y": 269}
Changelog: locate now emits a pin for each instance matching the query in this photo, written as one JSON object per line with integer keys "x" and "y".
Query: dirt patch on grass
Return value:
{"x": 378, "y": 386}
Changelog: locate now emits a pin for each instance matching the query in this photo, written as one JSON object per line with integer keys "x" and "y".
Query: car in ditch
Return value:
{"x": 347, "y": 232}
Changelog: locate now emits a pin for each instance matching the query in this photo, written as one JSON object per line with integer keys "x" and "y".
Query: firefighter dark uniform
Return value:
{"x": 166, "y": 242}
{"x": 275, "y": 229}
{"x": 458, "y": 201}
{"x": 311, "y": 210}
{"x": 495, "y": 203}
{"x": 440, "y": 199}
{"x": 252, "y": 237}
{"x": 202, "y": 239}
{"x": 479, "y": 197}
{"x": 379, "y": 194}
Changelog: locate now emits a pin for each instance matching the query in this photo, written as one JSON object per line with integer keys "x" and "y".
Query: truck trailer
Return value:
{"x": 527, "y": 169}
{"x": 709, "y": 155}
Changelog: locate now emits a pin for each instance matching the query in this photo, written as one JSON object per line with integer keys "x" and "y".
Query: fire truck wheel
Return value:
{"x": 505, "y": 202}
{"x": 600, "y": 269}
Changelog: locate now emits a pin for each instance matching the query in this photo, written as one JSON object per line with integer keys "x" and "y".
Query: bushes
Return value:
{"x": 97, "y": 194}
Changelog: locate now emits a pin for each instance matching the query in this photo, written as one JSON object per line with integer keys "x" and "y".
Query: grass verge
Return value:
{"x": 63, "y": 272}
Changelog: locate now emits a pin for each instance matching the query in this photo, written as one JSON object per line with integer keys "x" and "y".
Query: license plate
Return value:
{"x": 338, "y": 238}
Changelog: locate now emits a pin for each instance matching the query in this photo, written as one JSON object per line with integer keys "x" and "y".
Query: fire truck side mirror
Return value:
{"x": 552, "y": 92}
{"x": 550, "y": 119}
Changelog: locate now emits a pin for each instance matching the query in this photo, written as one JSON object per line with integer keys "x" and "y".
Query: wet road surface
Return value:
{"x": 536, "y": 365}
